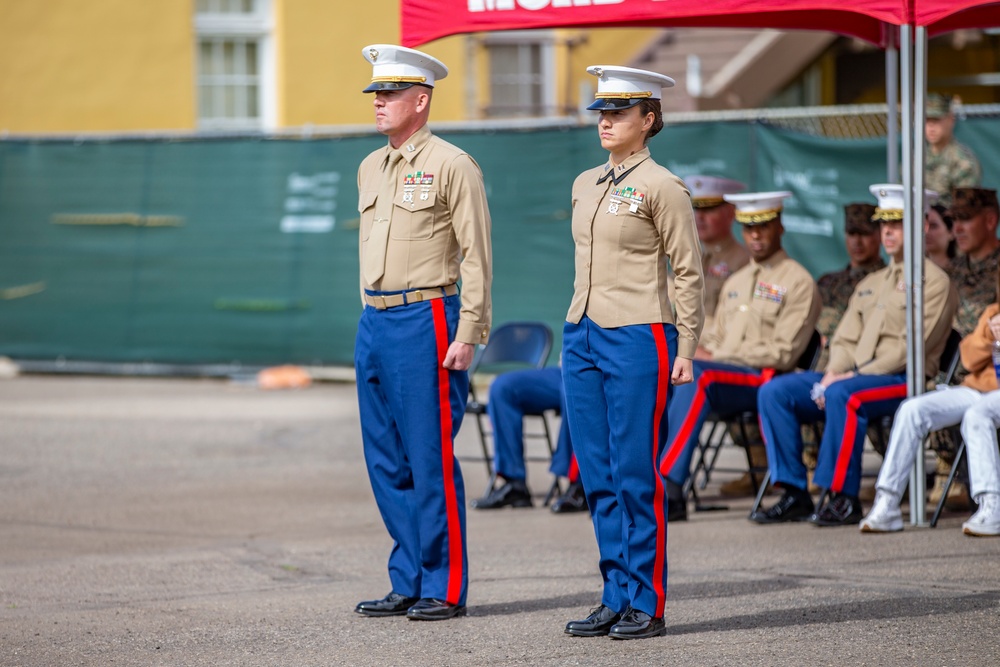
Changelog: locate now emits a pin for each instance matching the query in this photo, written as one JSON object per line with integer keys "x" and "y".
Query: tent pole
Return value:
{"x": 892, "y": 118}
{"x": 915, "y": 312}
{"x": 906, "y": 85}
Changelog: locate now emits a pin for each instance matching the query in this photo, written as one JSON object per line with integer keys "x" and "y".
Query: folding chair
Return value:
{"x": 512, "y": 346}
{"x": 710, "y": 447}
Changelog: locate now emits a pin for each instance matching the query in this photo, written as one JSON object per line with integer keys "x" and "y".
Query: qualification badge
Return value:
{"x": 426, "y": 181}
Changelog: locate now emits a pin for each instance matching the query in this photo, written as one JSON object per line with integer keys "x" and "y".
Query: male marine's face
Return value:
{"x": 395, "y": 109}
{"x": 892, "y": 238}
{"x": 862, "y": 248}
{"x": 763, "y": 239}
{"x": 714, "y": 223}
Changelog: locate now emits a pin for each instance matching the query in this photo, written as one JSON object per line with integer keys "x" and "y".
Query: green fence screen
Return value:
{"x": 223, "y": 251}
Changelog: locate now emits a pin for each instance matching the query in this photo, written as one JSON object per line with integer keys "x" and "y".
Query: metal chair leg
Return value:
{"x": 760, "y": 493}
{"x": 947, "y": 486}
{"x": 554, "y": 492}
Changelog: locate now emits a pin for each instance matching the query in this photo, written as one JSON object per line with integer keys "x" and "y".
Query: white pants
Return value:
{"x": 979, "y": 430}
{"x": 979, "y": 415}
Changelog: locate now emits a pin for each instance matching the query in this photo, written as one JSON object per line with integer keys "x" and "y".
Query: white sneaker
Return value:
{"x": 986, "y": 521}
{"x": 885, "y": 515}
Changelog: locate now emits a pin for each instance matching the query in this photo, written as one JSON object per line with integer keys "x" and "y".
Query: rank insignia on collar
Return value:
{"x": 901, "y": 286}
{"x": 769, "y": 292}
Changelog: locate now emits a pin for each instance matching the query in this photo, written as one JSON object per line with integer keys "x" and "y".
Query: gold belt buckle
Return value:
{"x": 379, "y": 302}
{"x": 416, "y": 296}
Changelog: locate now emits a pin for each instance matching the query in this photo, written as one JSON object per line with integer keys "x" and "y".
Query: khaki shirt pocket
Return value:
{"x": 366, "y": 203}
{"x": 413, "y": 220}
{"x": 766, "y": 310}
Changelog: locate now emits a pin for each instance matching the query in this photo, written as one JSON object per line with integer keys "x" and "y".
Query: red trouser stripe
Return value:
{"x": 662, "y": 391}
{"x": 574, "y": 469}
{"x": 854, "y": 402}
{"x": 448, "y": 456}
{"x": 707, "y": 377}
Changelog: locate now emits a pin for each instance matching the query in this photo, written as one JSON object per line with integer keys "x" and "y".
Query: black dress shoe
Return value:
{"x": 598, "y": 624}
{"x": 790, "y": 507}
{"x": 574, "y": 500}
{"x": 432, "y": 609}
{"x": 513, "y": 493}
{"x": 677, "y": 510}
{"x": 637, "y": 624}
{"x": 392, "y": 604}
{"x": 841, "y": 510}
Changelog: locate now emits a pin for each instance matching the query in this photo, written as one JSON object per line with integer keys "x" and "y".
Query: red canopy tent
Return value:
{"x": 426, "y": 20}
{"x": 940, "y": 16}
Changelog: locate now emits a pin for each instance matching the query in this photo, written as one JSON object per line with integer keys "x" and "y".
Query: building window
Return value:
{"x": 522, "y": 70}
{"x": 235, "y": 67}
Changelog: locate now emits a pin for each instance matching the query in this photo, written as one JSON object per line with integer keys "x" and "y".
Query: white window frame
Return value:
{"x": 545, "y": 40}
{"x": 254, "y": 27}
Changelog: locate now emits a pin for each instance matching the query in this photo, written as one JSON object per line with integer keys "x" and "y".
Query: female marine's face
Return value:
{"x": 623, "y": 129}
{"x": 937, "y": 236}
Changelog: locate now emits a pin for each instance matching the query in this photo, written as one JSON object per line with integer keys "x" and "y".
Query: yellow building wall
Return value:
{"x": 96, "y": 65}
{"x": 129, "y": 65}
{"x": 321, "y": 71}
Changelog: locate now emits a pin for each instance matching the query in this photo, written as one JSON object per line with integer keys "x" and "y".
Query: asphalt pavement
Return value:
{"x": 175, "y": 522}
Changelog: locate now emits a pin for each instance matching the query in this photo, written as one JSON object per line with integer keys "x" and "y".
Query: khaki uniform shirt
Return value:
{"x": 719, "y": 261}
{"x": 956, "y": 166}
{"x": 625, "y": 233}
{"x": 835, "y": 289}
{"x": 437, "y": 239}
{"x": 766, "y": 315}
{"x": 871, "y": 337}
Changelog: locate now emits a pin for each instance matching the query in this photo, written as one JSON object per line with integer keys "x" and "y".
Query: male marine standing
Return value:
{"x": 949, "y": 164}
{"x": 424, "y": 225}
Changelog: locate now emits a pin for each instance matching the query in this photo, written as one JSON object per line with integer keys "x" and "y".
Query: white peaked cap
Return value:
{"x": 890, "y": 201}
{"x": 708, "y": 191}
{"x": 396, "y": 67}
{"x": 756, "y": 207}
{"x": 624, "y": 87}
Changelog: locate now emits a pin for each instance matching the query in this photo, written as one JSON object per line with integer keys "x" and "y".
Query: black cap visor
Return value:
{"x": 376, "y": 86}
{"x": 615, "y": 103}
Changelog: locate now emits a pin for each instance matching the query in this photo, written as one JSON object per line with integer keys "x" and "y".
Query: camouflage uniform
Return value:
{"x": 956, "y": 166}
{"x": 976, "y": 282}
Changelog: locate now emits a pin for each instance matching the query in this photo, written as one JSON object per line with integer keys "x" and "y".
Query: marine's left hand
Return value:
{"x": 682, "y": 372}
{"x": 459, "y": 356}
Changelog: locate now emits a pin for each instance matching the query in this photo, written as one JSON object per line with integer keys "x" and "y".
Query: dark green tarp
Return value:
{"x": 209, "y": 251}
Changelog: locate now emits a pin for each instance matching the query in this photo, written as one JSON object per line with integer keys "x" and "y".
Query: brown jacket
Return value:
{"x": 977, "y": 353}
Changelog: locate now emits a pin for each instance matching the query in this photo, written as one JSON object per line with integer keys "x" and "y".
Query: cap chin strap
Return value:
{"x": 622, "y": 96}
{"x": 399, "y": 79}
